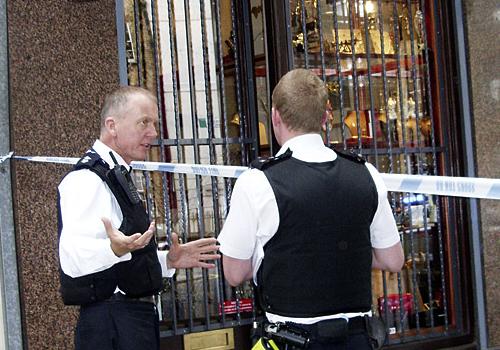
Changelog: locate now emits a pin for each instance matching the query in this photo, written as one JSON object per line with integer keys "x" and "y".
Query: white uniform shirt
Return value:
{"x": 253, "y": 218}
{"x": 84, "y": 246}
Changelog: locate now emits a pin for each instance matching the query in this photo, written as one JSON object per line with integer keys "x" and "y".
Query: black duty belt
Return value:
{"x": 337, "y": 328}
{"x": 122, "y": 297}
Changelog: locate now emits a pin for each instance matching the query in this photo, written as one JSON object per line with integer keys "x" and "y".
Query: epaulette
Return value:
{"x": 352, "y": 156}
{"x": 93, "y": 161}
{"x": 264, "y": 163}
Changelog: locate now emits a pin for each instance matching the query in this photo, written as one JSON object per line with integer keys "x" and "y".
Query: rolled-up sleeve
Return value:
{"x": 383, "y": 230}
{"x": 84, "y": 246}
{"x": 237, "y": 238}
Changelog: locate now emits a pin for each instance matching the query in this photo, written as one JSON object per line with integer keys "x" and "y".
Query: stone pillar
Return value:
{"x": 482, "y": 20}
{"x": 10, "y": 314}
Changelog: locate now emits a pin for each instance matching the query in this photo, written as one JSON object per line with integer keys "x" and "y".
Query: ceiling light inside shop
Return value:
{"x": 369, "y": 7}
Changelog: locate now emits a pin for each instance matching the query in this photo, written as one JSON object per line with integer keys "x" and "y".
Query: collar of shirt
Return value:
{"x": 104, "y": 150}
{"x": 308, "y": 148}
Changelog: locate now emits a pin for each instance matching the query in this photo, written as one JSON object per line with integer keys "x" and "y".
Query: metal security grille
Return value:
{"x": 189, "y": 53}
{"x": 376, "y": 59}
{"x": 212, "y": 65}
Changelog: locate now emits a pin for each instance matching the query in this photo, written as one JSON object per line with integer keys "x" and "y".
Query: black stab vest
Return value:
{"x": 138, "y": 277}
{"x": 319, "y": 261}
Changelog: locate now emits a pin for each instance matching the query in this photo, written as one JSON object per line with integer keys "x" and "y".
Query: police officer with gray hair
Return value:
{"x": 110, "y": 264}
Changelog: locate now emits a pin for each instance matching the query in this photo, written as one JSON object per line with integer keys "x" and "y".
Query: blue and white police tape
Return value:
{"x": 7, "y": 156}
{"x": 57, "y": 160}
{"x": 196, "y": 169}
{"x": 470, "y": 187}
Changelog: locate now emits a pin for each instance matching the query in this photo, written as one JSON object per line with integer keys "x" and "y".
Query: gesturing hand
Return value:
{"x": 122, "y": 244}
{"x": 192, "y": 254}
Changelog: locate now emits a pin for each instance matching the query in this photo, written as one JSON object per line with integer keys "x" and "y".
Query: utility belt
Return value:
{"x": 122, "y": 297}
{"x": 299, "y": 336}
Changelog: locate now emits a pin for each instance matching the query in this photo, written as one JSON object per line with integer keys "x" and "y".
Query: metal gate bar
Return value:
{"x": 185, "y": 315}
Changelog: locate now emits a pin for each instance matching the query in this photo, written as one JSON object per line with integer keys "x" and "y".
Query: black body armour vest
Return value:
{"x": 319, "y": 261}
{"x": 138, "y": 277}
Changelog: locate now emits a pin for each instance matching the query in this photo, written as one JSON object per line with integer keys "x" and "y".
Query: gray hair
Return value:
{"x": 115, "y": 101}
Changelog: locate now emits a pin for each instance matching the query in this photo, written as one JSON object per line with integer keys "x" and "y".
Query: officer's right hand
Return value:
{"x": 122, "y": 244}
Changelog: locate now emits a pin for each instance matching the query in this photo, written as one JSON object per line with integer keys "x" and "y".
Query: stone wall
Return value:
{"x": 63, "y": 59}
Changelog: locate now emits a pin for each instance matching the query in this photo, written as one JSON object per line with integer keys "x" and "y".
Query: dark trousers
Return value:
{"x": 118, "y": 325}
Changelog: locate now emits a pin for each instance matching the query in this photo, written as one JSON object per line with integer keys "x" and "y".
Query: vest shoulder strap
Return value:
{"x": 93, "y": 161}
{"x": 264, "y": 163}
{"x": 352, "y": 156}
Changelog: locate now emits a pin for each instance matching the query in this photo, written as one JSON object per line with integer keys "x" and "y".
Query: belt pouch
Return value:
{"x": 335, "y": 330}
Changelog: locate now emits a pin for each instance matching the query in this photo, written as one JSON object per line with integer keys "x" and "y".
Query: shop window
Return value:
{"x": 375, "y": 58}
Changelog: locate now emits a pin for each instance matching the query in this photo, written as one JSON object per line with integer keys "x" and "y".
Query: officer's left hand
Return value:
{"x": 192, "y": 254}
